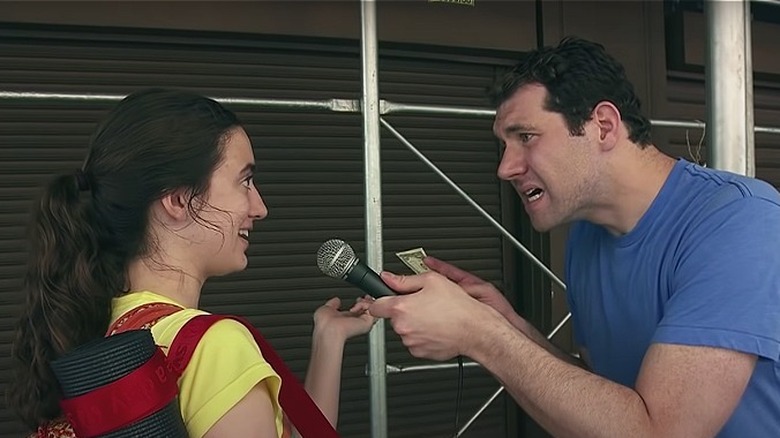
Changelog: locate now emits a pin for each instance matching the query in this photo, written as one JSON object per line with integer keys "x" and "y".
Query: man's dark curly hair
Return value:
{"x": 578, "y": 74}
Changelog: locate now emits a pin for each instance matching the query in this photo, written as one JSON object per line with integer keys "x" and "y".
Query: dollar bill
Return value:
{"x": 413, "y": 258}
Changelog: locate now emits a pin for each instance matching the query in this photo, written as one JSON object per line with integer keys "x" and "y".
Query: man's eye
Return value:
{"x": 248, "y": 182}
{"x": 525, "y": 138}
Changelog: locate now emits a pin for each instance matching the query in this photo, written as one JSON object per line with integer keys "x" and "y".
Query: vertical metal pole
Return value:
{"x": 377, "y": 367}
{"x": 729, "y": 83}
{"x": 750, "y": 147}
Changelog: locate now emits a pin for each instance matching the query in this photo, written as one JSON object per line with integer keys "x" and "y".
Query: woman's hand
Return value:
{"x": 344, "y": 324}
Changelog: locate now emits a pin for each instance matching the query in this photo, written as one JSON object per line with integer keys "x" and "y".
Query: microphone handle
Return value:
{"x": 368, "y": 281}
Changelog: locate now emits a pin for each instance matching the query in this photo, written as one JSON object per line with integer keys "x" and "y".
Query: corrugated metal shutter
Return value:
{"x": 686, "y": 99}
{"x": 310, "y": 174}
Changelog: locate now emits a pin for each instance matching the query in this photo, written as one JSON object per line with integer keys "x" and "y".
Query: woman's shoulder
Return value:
{"x": 225, "y": 334}
{"x": 169, "y": 318}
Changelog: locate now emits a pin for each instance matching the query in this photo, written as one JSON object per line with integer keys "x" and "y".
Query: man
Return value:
{"x": 673, "y": 270}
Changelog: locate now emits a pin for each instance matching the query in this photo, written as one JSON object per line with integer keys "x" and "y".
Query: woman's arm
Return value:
{"x": 323, "y": 378}
{"x": 252, "y": 417}
{"x": 332, "y": 328}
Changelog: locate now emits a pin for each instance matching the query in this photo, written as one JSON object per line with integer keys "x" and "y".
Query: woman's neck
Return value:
{"x": 170, "y": 281}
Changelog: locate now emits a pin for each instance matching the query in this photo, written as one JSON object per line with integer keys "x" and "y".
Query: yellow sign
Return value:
{"x": 457, "y": 2}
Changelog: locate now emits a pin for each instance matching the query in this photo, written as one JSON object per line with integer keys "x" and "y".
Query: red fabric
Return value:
{"x": 301, "y": 410}
{"x": 142, "y": 317}
{"x": 135, "y": 396}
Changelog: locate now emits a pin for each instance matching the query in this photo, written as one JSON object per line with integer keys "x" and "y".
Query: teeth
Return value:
{"x": 533, "y": 194}
{"x": 244, "y": 233}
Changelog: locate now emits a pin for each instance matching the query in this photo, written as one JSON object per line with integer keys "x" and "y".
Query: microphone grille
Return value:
{"x": 334, "y": 258}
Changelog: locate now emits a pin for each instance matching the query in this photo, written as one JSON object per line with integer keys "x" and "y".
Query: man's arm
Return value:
{"x": 681, "y": 391}
{"x": 535, "y": 335}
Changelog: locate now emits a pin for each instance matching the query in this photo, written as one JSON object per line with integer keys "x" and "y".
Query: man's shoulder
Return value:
{"x": 726, "y": 186}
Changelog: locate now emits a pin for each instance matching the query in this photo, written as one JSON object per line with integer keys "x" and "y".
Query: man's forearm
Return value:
{"x": 535, "y": 335}
{"x": 567, "y": 400}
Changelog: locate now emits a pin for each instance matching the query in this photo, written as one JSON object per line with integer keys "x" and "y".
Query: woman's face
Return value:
{"x": 232, "y": 204}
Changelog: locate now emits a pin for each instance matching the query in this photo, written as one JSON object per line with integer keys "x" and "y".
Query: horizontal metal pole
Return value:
{"x": 701, "y": 125}
{"x": 27, "y": 95}
{"x": 338, "y": 105}
{"x": 677, "y": 124}
{"x": 766, "y": 130}
{"x": 396, "y": 369}
{"x": 388, "y": 107}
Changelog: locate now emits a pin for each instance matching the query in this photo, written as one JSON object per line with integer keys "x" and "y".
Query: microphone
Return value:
{"x": 337, "y": 259}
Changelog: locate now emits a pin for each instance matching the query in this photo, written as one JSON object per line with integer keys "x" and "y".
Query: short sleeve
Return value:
{"x": 576, "y": 323}
{"x": 225, "y": 366}
{"x": 726, "y": 287}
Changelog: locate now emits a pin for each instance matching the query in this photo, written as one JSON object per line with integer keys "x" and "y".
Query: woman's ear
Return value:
{"x": 176, "y": 205}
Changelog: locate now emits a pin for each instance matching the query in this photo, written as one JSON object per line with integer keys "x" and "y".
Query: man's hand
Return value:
{"x": 488, "y": 294}
{"x": 474, "y": 286}
{"x": 434, "y": 317}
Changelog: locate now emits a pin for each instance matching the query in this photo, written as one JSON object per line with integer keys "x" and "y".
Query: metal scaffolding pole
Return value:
{"x": 373, "y": 209}
{"x": 729, "y": 84}
{"x": 335, "y": 105}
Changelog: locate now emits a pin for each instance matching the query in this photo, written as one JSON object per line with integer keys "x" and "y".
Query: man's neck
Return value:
{"x": 635, "y": 180}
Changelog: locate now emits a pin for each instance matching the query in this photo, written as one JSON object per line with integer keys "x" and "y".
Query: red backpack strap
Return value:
{"x": 303, "y": 413}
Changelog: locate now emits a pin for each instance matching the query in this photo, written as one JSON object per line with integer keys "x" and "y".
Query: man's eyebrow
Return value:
{"x": 513, "y": 129}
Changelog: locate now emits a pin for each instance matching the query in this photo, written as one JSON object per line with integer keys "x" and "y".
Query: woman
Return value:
{"x": 165, "y": 200}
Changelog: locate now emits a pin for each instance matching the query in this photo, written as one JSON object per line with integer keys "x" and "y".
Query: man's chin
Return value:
{"x": 543, "y": 225}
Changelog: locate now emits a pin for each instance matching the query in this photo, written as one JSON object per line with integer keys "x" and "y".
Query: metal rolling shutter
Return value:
{"x": 310, "y": 174}
{"x": 686, "y": 97}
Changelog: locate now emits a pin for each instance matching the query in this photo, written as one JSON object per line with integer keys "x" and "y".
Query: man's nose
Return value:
{"x": 512, "y": 164}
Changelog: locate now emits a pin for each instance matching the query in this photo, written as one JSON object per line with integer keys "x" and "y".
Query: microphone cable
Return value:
{"x": 458, "y": 396}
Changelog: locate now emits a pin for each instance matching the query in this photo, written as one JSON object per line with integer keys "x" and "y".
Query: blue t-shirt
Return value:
{"x": 701, "y": 267}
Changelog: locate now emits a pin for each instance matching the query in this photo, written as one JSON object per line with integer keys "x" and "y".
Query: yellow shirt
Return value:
{"x": 226, "y": 364}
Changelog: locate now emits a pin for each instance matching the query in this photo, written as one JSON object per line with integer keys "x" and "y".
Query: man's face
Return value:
{"x": 553, "y": 172}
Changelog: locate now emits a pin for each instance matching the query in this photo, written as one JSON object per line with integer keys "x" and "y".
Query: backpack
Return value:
{"x": 299, "y": 409}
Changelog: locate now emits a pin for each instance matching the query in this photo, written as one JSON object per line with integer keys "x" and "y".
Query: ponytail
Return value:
{"x": 89, "y": 226}
{"x": 68, "y": 290}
